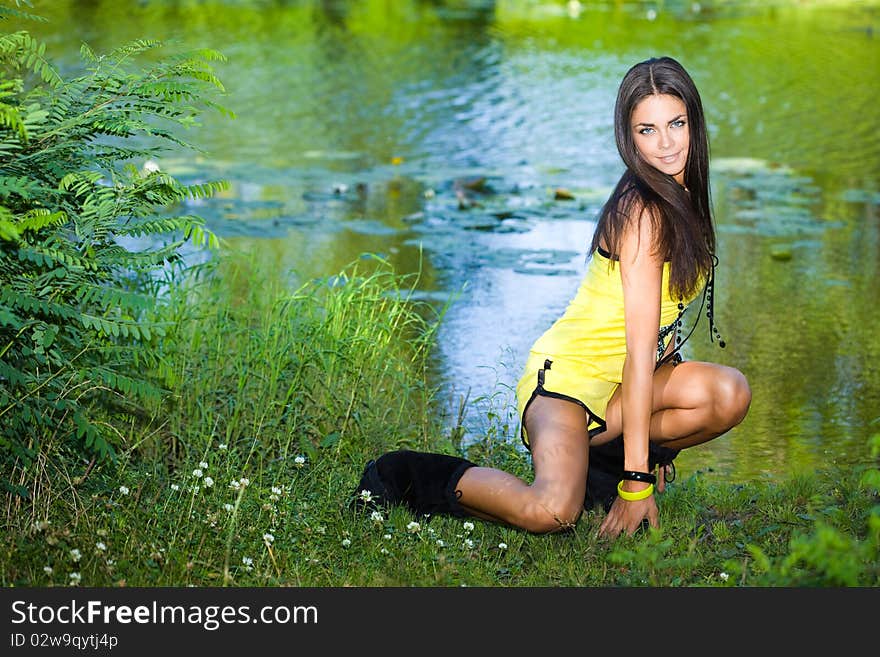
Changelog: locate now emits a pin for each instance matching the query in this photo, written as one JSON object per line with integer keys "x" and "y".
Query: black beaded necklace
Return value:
{"x": 707, "y": 300}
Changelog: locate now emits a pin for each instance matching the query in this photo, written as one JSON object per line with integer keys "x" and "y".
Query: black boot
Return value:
{"x": 423, "y": 481}
{"x": 606, "y": 469}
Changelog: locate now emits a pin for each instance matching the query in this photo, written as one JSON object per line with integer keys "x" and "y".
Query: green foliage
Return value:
{"x": 18, "y": 13}
{"x": 841, "y": 547}
{"x": 86, "y": 240}
{"x": 279, "y": 372}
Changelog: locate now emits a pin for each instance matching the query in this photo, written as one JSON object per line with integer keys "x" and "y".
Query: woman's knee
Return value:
{"x": 544, "y": 516}
{"x": 732, "y": 398}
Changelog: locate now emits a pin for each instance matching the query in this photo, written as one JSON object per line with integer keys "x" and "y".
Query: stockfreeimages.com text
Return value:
{"x": 211, "y": 617}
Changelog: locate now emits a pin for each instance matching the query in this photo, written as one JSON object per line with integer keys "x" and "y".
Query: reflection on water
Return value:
{"x": 435, "y": 133}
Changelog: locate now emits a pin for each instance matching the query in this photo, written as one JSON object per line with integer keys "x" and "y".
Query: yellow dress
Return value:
{"x": 580, "y": 357}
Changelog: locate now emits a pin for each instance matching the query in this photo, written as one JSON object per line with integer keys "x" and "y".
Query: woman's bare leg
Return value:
{"x": 694, "y": 402}
{"x": 557, "y": 432}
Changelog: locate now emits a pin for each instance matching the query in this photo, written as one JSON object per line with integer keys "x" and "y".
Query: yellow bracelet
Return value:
{"x": 634, "y": 497}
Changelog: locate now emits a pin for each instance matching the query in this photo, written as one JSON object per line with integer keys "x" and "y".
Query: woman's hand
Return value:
{"x": 627, "y": 516}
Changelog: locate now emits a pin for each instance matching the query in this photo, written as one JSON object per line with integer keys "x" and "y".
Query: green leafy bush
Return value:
{"x": 88, "y": 236}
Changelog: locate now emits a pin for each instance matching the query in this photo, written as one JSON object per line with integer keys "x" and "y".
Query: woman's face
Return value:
{"x": 660, "y": 131}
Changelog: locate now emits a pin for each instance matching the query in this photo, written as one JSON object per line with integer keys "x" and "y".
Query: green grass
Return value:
{"x": 293, "y": 392}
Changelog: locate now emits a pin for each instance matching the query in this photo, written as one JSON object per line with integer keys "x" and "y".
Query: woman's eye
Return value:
{"x": 678, "y": 124}
{"x": 646, "y": 131}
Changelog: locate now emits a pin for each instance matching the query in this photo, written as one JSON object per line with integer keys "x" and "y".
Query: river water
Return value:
{"x": 438, "y": 133}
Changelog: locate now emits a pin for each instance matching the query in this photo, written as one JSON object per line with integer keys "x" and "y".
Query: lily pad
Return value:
{"x": 781, "y": 253}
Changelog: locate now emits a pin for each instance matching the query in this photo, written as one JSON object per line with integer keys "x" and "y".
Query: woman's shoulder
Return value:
{"x": 635, "y": 208}
{"x": 630, "y": 199}
{"x": 627, "y": 215}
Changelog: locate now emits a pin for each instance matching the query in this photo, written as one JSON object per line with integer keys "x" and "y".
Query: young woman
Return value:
{"x": 606, "y": 397}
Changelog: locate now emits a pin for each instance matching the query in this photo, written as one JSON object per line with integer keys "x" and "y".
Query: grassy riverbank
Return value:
{"x": 276, "y": 399}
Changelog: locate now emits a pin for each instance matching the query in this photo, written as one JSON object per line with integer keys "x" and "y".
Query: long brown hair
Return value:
{"x": 685, "y": 229}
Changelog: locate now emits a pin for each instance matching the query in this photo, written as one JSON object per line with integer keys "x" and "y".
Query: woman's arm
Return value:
{"x": 641, "y": 272}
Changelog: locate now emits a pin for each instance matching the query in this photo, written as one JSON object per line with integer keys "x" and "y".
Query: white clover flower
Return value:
{"x": 124, "y": 490}
{"x": 268, "y": 538}
{"x": 413, "y": 527}
{"x": 299, "y": 461}
{"x": 75, "y": 554}
{"x": 197, "y": 473}
{"x": 468, "y": 543}
{"x": 724, "y": 576}
{"x": 228, "y": 506}
{"x": 100, "y": 545}
{"x": 384, "y": 551}
{"x": 387, "y": 537}
{"x": 203, "y": 465}
{"x": 75, "y": 578}
{"x": 502, "y": 546}
{"x": 222, "y": 447}
{"x": 47, "y": 570}
{"x": 208, "y": 482}
{"x": 652, "y": 14}
{"x": 175, "y": 487}
{"x": 366, "y": 496}
{"x": 276, "y": 490}
{"x": 468, "y": 526}
{"x": 441, "y": 542}
{"x": 377, "y": 517}
{"x": 244, "y": 481}
{"x": 248, "y": 563}
{"x": 346, "y": 542}
{"x": 234, "y": 484}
